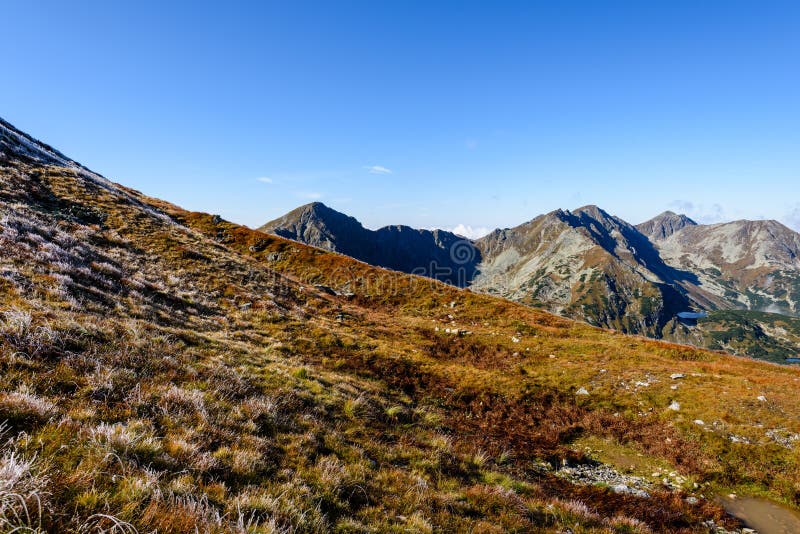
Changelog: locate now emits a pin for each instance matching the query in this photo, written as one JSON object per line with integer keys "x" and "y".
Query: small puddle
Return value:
{"x": 762, "y": 515}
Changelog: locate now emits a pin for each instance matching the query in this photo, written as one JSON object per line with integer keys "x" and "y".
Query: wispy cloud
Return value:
{"x": 699, "y": 212}
{"x": 309, "y": 195}
{"x": 792, "y": 219}
{"x": 265, "y": 180}
{"x": 378, "y": 169}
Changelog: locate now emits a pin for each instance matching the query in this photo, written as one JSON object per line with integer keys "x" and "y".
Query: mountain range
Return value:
{"x": 664, "y": 278}
{"x": 170, "y": 371}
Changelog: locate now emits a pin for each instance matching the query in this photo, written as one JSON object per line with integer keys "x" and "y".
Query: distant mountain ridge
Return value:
{"x": 436, "y": 254}
{"x": 586, "y": 263}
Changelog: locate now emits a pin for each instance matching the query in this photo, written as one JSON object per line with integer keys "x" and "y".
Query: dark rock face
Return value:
{"x": 436, "y": 254}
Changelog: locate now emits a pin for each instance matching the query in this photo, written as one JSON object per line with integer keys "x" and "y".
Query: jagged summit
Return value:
{"x": 664, "y": 225}
{"x": 436, "y": 253}
{"x": 318, "y": 225}
{"x": 593, "y": 211}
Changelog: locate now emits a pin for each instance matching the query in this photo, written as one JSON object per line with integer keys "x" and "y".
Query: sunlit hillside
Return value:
{"x": 168, "y": 371}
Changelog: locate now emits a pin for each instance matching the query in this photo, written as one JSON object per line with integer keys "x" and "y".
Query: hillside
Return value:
{"x": 749, "y": 264}
{"x": 170, "y": 371}
{"x": 766, "y": 336}
{"x": 589, "y": 265}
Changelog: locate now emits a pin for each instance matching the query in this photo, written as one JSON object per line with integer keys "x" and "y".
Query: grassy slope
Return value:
{"x": 173, "y": 375}
{"x": 766, "y": 336}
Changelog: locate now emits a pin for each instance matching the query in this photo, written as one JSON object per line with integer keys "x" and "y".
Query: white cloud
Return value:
{"x": 378, "y": 169}
{"x": 470, "y": 232}
{"x": 265, "y": 180}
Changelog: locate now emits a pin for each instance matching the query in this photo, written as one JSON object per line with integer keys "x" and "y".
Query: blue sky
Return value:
{"x": 428, "y": 113}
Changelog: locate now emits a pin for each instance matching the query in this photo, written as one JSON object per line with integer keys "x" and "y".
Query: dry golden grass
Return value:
{"x": 179, "y": 372}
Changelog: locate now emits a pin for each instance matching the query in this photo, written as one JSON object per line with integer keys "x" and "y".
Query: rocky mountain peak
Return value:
{"x": 664, "y": 225}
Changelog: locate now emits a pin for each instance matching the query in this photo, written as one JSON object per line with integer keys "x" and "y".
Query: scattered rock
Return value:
{"x": 783, "y": 437}
{"x": 325, "y": 289}
{"x": 762, "y": 398}
{"x": 677, "y": 376}
{"x": 625, "y": 489}
{"x": 675, "y": 406}
{"x": 596, "y": 473}
{"x": 582, "y": 391}
{"x": 699, "y": 422}
{"x": 515, "y": 339}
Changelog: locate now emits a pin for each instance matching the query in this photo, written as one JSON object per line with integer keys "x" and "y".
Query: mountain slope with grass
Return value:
{"x": 589, "y": 265}
{"x": 168, "y": 371}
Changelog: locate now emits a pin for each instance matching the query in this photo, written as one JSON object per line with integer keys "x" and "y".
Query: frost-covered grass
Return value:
{"x": 159, "y": 376}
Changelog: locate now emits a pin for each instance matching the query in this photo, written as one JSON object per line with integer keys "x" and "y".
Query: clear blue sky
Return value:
{"x": 486, "y": 113}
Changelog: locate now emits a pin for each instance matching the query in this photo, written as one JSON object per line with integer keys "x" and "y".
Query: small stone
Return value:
{"x": 692, "y": 500}
{"x": 582, "y": 391}
{"x": 515, "y": 339}
{"x": 762, "y": 398}
{"x": 699, "y": 422}
{"x": 675, "y": 406}
{"x": 677, "y": 376}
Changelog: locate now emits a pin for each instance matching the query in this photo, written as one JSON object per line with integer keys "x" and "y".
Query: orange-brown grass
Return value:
{"x": 172, "y": 374}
